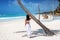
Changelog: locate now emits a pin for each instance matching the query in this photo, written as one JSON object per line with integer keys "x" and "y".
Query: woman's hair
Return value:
{"x": 27, "y": 17}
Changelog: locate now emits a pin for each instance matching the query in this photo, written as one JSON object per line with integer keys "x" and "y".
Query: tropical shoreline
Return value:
{"x": 16, "y": 30}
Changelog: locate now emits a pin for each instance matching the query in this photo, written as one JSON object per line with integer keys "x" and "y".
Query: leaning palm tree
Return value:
{"x": 57, "y": 11}
{"x": 59, "y": 2}
{"x": 47, "y": 31}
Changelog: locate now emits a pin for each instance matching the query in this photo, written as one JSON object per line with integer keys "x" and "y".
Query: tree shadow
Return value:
{"x": 38, "y": 32}
{"x": 19, "y": 31}
{"x": 56, "y": 31}
{"x": 57, "y": 18}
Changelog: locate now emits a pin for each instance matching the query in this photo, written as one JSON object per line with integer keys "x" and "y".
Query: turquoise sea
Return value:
{"x": 11, "y": 16}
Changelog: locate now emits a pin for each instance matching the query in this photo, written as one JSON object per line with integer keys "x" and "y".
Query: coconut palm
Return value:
{"x": 47, "y": 31}
{"x": 57, "y": 11}
{"x": 58, "y": 0}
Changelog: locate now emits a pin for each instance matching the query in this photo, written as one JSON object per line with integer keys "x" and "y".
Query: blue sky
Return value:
{"x": 11, "y": 6}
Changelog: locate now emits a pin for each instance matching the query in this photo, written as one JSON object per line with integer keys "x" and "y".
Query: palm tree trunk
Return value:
{"x": 47, "y": 31}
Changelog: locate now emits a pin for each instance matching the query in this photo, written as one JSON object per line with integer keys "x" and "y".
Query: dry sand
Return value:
{"x": 16, "y": 30}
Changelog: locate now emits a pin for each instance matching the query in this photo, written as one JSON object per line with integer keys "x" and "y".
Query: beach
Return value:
{"x": 15, "y": 30}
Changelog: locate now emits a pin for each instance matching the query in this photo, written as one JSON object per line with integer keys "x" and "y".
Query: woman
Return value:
{"x": 27, "y": 24}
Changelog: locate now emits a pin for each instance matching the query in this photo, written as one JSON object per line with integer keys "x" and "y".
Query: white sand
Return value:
{"x": 16, "y": 30}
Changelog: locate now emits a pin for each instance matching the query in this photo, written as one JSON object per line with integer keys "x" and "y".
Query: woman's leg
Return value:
{"x": 29, "y": 30}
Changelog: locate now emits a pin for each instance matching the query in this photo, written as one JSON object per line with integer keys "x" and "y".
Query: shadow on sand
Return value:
{"x": 38, "y": 32}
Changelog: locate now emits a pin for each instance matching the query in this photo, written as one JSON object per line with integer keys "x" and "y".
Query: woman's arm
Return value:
{"x": 25, "y": 22}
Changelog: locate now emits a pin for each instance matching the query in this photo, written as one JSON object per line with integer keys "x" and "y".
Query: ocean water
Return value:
{"x": 3, "y": 15}
{"x": 11, "y": 16}
{"x": 4, "y": 19}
